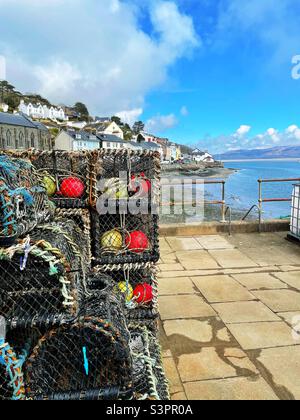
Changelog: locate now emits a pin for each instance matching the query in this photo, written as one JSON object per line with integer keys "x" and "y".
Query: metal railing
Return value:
{"x": 220, "y": 202}
{"x": 262, "y": 200}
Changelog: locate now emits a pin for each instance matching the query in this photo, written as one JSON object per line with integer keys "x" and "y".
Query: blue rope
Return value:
{"x": 12, "y": 366}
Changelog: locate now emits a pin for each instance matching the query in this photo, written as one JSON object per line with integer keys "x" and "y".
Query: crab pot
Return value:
{"x": 41, "y": 283}
{"x": 66, "y": 175}
{"x": 23, "y": 199}
{"x": 89, "y": 359}
{"x": 126, "y": 175}
{"x": 149, "y": 379}
{"x": 124, "y": 239}
{"x": 138, "y": 286}
{"x": 82, "y": 219}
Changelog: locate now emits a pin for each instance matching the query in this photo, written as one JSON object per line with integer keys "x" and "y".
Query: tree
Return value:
{"x": 82, "y": 110}
{"x": 127, "y": 132}
{"x": 117, "y": 120}
{"x": 138, "y": 127}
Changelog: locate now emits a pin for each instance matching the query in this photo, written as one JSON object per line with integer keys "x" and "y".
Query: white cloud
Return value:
{"x": 93, "y": 51}
{"x": 130, "y": 117}
{"x": 161, "y": 123}
{"x": 241, "y": 140}
{"x": 184, "y": 111}
{"x": 243, "y": 130}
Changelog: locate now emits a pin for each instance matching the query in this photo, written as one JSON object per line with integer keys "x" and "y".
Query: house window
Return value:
{"x": 32, "y": 140}
{"x": 108, "y": 145}
{"x": 8, "y": 138}
{"x": 21, "y": 140}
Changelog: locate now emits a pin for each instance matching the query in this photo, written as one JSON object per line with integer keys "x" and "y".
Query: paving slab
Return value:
{"x": 169, "y": 258}
{"x": 291, "y": 278}
{"x": 173, "y": 376}
{"x": 164, "y": 246}
{"x": 183, "y": 244}
{"x": 283, "y": 364}
{"x": 171, "y": 267}
{"x": 196, "y": 260}
{"x": 232, "y": 258}
{"x": 262, "y": 335}
{"x": 280, "y": 300}
{"x": 244, "y": 312}
{"x": 292, "y": 318}
{"x": 265, "y": 256}
{"x": 210, "y": 242}
{"x": 224, "y": 271}
{"x": 176, "y": 286}
{"x": 211, "y": 363}
{"x": 233, "y": 389}
{"x": 221, "y": 289}
{"x": 196, "y": 330}
{"x": 259, "y": 281}
{"x": 184, "y": 307}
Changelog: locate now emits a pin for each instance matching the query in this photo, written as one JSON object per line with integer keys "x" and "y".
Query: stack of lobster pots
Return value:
{"x": 78, "y": 287}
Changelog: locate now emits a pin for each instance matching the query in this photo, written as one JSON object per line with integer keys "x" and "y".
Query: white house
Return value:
{"x": 4, "y": 107}
{"x": 78, "y": 125}
{"x": 42, "y": 111}
{"x": 200, "y": 156}
{"x": 112, "y": 142}
{"x": 73, "y": 141}
{"x": 110, "y": 128}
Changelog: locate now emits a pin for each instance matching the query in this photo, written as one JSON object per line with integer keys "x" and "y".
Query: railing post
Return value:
{"x": 223, "y": 203}
{"x": 260, "y": 204}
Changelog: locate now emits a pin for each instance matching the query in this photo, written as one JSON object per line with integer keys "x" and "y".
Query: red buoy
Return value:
{"x": 72, "y": 188}
{"x": 143, "y": 293}
{"x": 137, "y": 242}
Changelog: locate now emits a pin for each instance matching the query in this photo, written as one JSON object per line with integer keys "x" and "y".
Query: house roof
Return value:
{"x": 111, "y": 138}
{"x": 150, "y": 146}
{"x": 20, "y": 120}
{"x": 85, "y": 136}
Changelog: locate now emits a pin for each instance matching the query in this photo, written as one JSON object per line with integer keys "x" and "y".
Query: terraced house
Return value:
{"x": 19, "y": 132}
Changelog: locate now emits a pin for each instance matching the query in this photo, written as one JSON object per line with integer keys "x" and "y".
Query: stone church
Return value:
{"x": 19, "y": 132}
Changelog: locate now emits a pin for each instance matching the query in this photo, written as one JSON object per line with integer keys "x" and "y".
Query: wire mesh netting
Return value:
{"x": 139, "y": 288}
{"x": 126, "y": 175}
{"x": 66, "y": 175}
{"x": 124, "y": 239}
{"x": 149, "y": 379}
{"x": 91, "y": 357}
{"x": 23, "y": 199}
{"x": 83, "y": 220}
{"x": 42, "y": 277}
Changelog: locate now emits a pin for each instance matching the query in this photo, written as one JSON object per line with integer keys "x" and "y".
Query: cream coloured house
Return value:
{"x": 112, "y": 129}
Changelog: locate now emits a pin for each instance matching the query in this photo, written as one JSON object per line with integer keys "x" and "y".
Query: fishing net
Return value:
{"x": 139, "y": 288}
{"x": 149, "y": 380}
{"x": 124, "y": 239}
{"x": 23, "y": 199}
{"x": 125, "y": 175}
{"x": 42, "y": 278}
{"x": 83, "y": 220}
{"x": 66, "y": 175}
{"x": 89, "y": 359}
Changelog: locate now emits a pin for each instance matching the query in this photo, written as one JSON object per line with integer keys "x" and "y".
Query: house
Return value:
{"x": 145, "y": 137}
{"x": 43, "y": 112}
{"x": 110, "y": 128}
{"x": 78, "y": 125}
{"x": 4, "y": 107}
{"x": 112, "y": 142}
{"x": 73, "y": 141}
{"x": 19, "y": 132}
{"x": 200, "y": 156}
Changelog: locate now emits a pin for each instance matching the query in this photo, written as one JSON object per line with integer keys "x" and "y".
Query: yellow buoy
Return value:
{"x": 126, "y": 289}
{"x": 50, "y": 185}
{"x": 112, "y": 240}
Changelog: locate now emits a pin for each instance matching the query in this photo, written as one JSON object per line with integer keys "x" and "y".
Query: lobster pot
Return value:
{"x": 124, "y": 239}
{"x": 87, "y": 360}
{"x": 66, "y": 175}
{"x": 124, "y": 175}
{"x": 138, "y": 286}
{"x": 82, "y": 219}
{"x": 23, "y": 199}
{"x": 42, "y": 281}
{"x": 149, "y": 379}
{"x": 295, "y": 216}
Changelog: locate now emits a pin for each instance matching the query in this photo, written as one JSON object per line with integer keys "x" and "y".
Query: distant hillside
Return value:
{"x": 282, "y": 152}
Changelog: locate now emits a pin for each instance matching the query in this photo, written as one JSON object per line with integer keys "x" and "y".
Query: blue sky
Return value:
{"x": 216, "y": 73}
